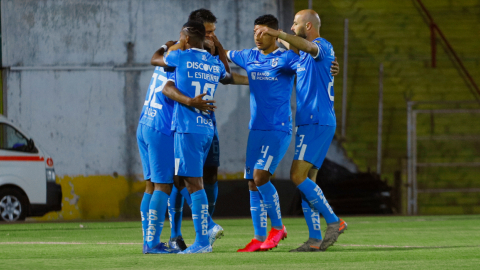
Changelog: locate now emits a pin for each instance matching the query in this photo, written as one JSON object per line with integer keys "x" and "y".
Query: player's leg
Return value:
{"x": 147, "y": 195}
{"x": 310, "y": 138}
{"x": 189, "y": 149}
{"x": 271, "y": 147}
{"x": 257, "y": 208}
{"x": 210, "y": 172}
{"x": 160, "y": 149}
{"x": 175, "y": 214}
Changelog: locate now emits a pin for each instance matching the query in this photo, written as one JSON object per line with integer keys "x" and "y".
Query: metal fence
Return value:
{"x": 443, "y": 139}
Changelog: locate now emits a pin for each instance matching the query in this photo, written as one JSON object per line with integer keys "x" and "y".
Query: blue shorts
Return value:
{"x": 156, "y": 152}
{"x": 265, "y": 149}
{"x": 213, "y": 157}
{"x": 312, "y": 143}
{"x": 191, "y": 151}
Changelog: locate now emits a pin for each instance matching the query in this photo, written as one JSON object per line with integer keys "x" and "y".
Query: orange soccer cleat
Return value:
{"x": 274, "y": 236}
{"x": 253, "y": 246}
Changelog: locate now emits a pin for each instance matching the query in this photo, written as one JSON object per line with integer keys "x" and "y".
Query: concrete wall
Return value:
{"x": 79, "y": 71}
{"x": 75, "y": 77}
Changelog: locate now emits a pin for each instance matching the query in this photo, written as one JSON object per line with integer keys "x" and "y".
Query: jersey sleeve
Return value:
{"x": 322, "y": 49}
{"x": 239, "y": 57}
{"x": 292, "y": 60}
{"x": 223, "y": 71}
{"x": 172, "y": 58}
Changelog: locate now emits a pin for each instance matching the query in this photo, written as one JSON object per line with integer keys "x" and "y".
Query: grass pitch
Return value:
{"x": 436, "y": 242}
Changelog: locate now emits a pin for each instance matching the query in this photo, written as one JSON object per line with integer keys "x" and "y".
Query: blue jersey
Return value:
{"x": 315, "y": 86}
{"x": 197, "y": 72}
{"x": 158, "y": 109}
{"x": 271, "y": 82}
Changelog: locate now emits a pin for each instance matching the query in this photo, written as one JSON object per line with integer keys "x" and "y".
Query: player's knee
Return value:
{"x": 149, "y": 187}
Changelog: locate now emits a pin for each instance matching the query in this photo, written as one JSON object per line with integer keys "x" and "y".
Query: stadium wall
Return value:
{"x": 75, "y": 77}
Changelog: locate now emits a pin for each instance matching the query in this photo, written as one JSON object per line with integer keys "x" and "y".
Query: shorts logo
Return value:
{"x": 274, "y": 62}
{"x": 260, "y": 162}
{"x": 248, "y": 170}
{"x": 253, "y": 75}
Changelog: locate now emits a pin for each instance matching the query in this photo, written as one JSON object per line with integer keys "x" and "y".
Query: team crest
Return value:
{"x": 253, "y": 75}
{"x": 204, "y": 57}
{"x": 274, "y": 62}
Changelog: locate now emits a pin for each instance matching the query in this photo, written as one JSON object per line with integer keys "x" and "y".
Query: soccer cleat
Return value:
{"x": 161, "y": 248}
{"x": 312, "y": 245}
{"x": 197, "y": 248}
{"x": 253, "y": 246}
{"x": 331, "y": 234}
{"x": 216, "y": 232}
{"x": 177, "y": 244}
{"x": 274, "y": 236}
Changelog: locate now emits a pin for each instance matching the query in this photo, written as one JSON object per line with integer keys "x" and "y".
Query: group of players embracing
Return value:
{"x": 178, "y": 138}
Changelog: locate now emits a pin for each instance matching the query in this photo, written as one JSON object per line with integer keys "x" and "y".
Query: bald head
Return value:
{"x": 309, "y": 16}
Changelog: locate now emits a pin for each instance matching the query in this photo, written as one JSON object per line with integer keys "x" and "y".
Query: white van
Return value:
{"x": 27, "y": 176}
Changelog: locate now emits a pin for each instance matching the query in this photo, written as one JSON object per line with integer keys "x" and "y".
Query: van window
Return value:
{"x": 11, "y": 139}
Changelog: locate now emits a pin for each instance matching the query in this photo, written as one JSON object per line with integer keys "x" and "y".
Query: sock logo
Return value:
{"x": 319, "y": 192}
{"x": 204, "y": 218}
{"x": 276, "y": 201}
{"x": 263, "y": 215}
{"x": 315, "y": 220}
{"x": 152, "y": 216}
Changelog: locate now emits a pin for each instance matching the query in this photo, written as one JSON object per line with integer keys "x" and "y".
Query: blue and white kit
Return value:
{"x": 315, "y": 117}
{"x": 196, "y": 72}
{"x": 154, "y": 134}
{"x": 271, "y": 82}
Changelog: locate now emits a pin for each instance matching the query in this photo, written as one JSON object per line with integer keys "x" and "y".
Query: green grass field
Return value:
{"x": 436, "y": 242}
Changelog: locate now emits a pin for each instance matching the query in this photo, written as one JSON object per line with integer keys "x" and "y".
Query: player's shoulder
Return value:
{"x": 322, "y": 41}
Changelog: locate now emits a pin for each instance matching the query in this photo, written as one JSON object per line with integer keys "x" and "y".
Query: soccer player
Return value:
{"x": 271, "y": 72}
{"x": 212, "y": 163}
{"x": 155, "y": 142}
{"x": 315, "y": 121}
{"x": 197, "y": 71}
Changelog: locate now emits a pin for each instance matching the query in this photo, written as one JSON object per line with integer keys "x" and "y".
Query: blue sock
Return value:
{"x": 175, "y": 212}
{"x": 272, "y": 203}
{"x": 312, "y": 218}
{"x": 187, "y": 197}
{"x": 200, "y": 216}
{"x": 144, "y": 213}
{"x": 156, "y": 217}
{"x": 212, "y": 194}
{"x": 315, "y": 197}
{"x": 259, "y": 216}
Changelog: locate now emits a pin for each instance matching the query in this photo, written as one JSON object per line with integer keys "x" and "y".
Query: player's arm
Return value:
{"x": 157, "y": 58}
{"x": 172, "y": 92}
{"x": 297, "y": 42}
{"x": 221, "y": 53}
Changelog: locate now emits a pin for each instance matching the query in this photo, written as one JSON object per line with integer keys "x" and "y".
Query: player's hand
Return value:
{"x": 335, "y": 68}
{"x": 216, "y": 42}
{"x": 203, "y": 105}
{"x": 268, "y": 31}
{"x": 209, "y": 46}
{"x": 170, "y": 43}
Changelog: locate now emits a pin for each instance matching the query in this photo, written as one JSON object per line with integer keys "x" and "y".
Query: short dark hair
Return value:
{"x": 268, "y": 20}
{"x": 195, "y": 30}
{"x": 202, "y": 15}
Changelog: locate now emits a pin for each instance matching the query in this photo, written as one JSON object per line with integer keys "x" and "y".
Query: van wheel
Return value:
{"x": 13, "y": 206}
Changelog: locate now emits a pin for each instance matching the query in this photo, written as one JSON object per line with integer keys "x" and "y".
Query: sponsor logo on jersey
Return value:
{"x": 263, "y": 76}
{"x": 202, "y": 66}
{"x": 300, "y": 68}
